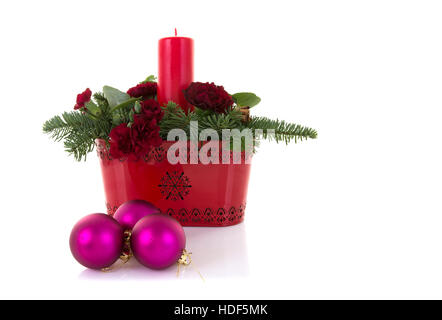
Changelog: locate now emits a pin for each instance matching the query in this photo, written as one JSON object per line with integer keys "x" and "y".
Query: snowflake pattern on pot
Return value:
{"x": 175, "y": 185}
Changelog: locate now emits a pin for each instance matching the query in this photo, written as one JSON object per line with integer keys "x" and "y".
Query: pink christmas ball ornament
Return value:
{"x": 130, "y": 212}
{"x": 157, "y": 241}
{"x": 96, "y": 241}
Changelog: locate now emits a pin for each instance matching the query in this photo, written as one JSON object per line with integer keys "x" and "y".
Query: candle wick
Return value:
{"x": 175, "y": 32}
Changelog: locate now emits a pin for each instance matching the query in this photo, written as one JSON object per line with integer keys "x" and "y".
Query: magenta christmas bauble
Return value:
{"x": 157, "y": 241}
{"x": 130, "y": 212}
{"x": 96, "y": 241}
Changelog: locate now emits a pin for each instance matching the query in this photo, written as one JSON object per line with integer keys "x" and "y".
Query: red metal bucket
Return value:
{"x": 195, "y": 194}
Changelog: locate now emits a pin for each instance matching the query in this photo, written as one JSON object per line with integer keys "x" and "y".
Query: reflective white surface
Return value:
{"x": 216, "y": 253}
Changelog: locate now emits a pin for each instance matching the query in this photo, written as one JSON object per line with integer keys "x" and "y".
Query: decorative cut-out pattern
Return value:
{"x": 201, "y": 217}
{"x": 208, "y": 216}
{"x": 156, "y": 154}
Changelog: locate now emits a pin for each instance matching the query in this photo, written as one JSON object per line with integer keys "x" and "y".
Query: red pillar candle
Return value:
{"x": 175, "y": 70}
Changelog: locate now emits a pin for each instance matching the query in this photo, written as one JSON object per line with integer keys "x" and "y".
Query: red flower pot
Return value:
{"x": 195, "y": 194}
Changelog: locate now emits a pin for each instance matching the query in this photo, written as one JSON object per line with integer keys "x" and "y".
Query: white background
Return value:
{"x": 353, "y": 214}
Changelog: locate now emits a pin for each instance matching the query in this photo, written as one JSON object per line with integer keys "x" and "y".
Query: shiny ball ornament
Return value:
{"x": 130, "y": 212}
{"x": 96, "y": 241}
{"x": 158, "y": 241}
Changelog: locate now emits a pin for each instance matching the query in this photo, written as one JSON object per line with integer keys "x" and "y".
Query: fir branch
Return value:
{"x": 79, "y": 143}
{"x": 175, "y": 118}
{"x": 78, "y": 131}
{"x": 220, "y": 121}
{"x": 279, "y": 130}
{"x": 56, "y": 128}
{"x": 283, "y": 131}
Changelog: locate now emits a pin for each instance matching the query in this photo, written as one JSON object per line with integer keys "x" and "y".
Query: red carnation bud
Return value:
{"x": 83, "y": 98}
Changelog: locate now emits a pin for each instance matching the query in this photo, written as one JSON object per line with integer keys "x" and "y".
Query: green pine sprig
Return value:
{"x": 277, "y": 130}
{"x": 175, "y": 118}
{"x": 79, "y": 129}
{"x": 280, "y": 130}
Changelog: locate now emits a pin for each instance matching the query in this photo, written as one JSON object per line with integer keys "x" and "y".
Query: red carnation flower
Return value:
{"x": 137, "y": 140}
{"x": 144, "y": 89}
{"x": 120, "y": 141}
{"x": 208, "y": 96}
{"x": 83, "y": 98}
{"x": 145, "y": 129}
{"x": 145, "y": 134}
{"x": 151, "y": 109}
